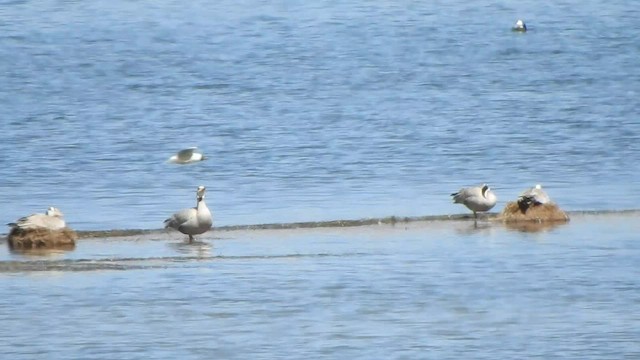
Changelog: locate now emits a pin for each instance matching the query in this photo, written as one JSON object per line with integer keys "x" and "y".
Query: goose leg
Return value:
{"x": 190, "y": 239}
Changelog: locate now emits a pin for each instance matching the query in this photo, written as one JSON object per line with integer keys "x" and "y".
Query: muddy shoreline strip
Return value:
{"x": 390, "y": 220}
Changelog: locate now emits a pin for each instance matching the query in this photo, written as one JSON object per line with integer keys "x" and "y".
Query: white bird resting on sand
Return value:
{"x": 534, "y": 196}
{"x": 53, "y": 219}
{"x": 477, "y": 199}
{"x": 186, "y": 156}
{"x": 193, "y": 221}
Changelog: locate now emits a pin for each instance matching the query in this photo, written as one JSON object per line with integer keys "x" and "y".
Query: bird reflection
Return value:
{"x": 466, "y": 228}
{"x": 56, "y": 252}
{"x": 198, "y": 249}
{"x": 532, "y": 226}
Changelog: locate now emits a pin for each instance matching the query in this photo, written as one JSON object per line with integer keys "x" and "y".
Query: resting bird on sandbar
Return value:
{"x": 186, "y": 156}
{"x": 52, "y": 220}
{"x": 477, "y": 199}
{"x": 41, "y": 231}
{"x": 193, "y": 221}
{"x": 533, "y": 196}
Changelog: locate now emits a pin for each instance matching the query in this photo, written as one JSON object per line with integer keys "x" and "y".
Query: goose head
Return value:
{"x": 485, "y": 190}
{"x": 53, "y": 211}
{"x": 200, "y": 193}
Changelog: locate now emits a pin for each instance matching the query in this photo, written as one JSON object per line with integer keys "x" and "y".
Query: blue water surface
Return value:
{"x": 313, "y": 110}
{"x": 443, "y": 290}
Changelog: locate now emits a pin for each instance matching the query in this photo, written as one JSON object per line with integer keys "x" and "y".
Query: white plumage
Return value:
{"x": 520, "y": 26}
{"x": 534, "y": 196}
{"x": 53, "y": 219}
{"x": 186, "y": 156}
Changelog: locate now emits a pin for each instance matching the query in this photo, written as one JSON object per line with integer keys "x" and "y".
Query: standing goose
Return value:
{"x": 534, "y": 196}
{"x": 52, "y": 220}
{"x": 477, "y": 199}
{"x": 186, "y": 156}
{"x": 193, "y": 221}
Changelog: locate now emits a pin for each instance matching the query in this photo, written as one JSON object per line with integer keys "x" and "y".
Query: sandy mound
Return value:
{"x": 514, "y": 212}
{"x": 41, "y": 238}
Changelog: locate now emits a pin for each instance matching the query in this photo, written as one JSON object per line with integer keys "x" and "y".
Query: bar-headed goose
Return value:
{"x": 53, "y": 219}
{"x": 193, "y": 221}
{"x": 477, "y": 199}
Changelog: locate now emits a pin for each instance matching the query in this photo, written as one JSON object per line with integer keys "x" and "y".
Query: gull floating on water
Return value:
{"x": 477, "y": 199}
{"x": 185, "y": 156}
{"x": 534, "y": 196}
{"x": 519, "y": 26}
{"x": 53, "y": 219}
{"x": 193, "y": 221}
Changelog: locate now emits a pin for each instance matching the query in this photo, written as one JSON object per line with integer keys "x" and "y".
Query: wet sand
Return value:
{"x": 144, "y": 249}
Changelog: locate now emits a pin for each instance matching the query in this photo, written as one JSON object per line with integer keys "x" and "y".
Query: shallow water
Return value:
{"x": 442, "y": 289}
{"x": 313, "y": 111}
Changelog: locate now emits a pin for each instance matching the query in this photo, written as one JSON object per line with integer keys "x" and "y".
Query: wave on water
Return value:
{"x": 140, "y": 263}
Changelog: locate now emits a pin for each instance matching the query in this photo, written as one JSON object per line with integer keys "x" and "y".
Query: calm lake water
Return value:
{"x": 313, "y": 111}
{"x": 441, "y": 290}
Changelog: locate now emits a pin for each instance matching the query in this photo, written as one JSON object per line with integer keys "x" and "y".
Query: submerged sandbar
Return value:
{"x": 390, "y": 220}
